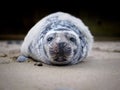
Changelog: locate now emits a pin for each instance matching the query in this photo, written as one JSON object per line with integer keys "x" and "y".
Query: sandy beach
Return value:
{"x": 99, "y": 71}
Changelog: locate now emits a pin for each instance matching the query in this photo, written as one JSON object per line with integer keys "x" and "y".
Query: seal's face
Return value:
{"x": 60, "y": 46}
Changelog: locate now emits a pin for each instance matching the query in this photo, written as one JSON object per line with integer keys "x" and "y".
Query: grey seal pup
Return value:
{"x": 57, "y": 39}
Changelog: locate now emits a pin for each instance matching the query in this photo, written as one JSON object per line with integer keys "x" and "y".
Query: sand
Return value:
{"x": 99, "y": 71}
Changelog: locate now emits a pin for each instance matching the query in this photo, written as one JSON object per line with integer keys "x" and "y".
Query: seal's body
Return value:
{"x": 59, "y": 38}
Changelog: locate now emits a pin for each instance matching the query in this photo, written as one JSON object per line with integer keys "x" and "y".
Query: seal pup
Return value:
{"x": 58, "y": 39}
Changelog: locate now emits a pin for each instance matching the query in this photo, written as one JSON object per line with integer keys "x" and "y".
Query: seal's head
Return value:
{"x": 61, "y": 46}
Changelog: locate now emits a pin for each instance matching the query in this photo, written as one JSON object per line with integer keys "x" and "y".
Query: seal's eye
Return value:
{"x": 50, "y": 39}
{"x": 72, "y": 39}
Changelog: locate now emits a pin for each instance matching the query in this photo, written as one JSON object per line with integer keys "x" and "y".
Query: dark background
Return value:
{"x": 17, "y": 17}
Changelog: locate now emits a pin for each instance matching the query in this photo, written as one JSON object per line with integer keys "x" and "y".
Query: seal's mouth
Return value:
{"x": 60, "y": 59}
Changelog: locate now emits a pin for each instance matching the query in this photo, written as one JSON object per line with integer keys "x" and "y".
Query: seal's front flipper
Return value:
{"x": 22, "y": 58}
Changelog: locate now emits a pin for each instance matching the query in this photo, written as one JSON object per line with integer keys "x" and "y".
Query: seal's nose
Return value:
{"x": 63, "y": 49}
{"x": 61, "y": 45}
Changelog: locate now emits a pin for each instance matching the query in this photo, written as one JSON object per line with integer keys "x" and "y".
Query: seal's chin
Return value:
{"x": 60, "y": 59}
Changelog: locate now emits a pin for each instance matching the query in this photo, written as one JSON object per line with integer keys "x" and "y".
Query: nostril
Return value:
{"x": 68, "y": 49}
{"x": 62, "y": 45}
